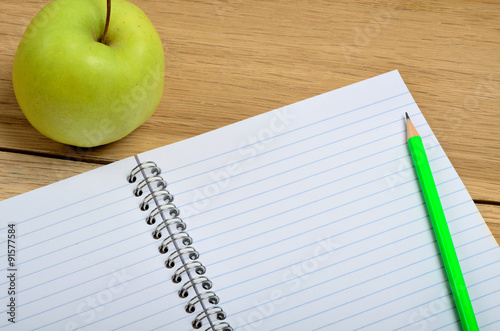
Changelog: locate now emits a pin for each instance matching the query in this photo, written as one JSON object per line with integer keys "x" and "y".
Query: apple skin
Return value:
{"x": 78, "y": 91}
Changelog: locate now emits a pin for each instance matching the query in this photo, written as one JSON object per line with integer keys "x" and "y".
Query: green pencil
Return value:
{"x": 441, "y": 230}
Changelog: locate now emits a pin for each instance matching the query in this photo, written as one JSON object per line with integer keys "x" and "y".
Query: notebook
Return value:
{"x": 307, "y": 217}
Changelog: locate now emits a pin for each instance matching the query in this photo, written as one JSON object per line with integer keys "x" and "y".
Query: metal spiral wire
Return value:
{"x": 164, "y": 214}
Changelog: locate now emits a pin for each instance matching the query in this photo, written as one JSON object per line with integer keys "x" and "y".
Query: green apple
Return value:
{"x": 80, "y": 89}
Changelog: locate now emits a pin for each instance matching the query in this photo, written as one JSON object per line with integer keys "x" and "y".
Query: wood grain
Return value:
{"x": 227, "y": 60}
{"x": 491, "y": 215}
{"x": 22, "y": 173}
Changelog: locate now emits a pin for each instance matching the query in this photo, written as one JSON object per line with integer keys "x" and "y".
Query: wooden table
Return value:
{"x": 227, "y": 60}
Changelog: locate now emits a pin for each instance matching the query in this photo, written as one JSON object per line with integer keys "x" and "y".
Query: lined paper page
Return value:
{"x": 85, "y": 258}
{"x": 310, "y": 217}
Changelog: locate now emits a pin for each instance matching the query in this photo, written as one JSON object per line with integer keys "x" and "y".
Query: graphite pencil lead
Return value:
{"x": 407, "y": 117}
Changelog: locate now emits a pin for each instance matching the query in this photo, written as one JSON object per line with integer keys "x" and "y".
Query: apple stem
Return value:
{"x": 106, "y": 26}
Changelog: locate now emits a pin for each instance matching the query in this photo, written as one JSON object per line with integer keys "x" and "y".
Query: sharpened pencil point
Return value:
{"x": 410, "y": 128}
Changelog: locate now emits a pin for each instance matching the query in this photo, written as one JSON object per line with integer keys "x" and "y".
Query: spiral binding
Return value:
{"x": 164, "y": 214}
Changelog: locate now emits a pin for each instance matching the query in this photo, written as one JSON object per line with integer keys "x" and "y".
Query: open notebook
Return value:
{"x": 308, "y": 217}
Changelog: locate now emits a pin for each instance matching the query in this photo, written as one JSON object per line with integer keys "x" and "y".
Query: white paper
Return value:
{"x": 307, "y": 217}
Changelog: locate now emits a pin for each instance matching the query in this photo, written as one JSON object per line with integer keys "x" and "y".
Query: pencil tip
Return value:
{"x": 410, "y": 128}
